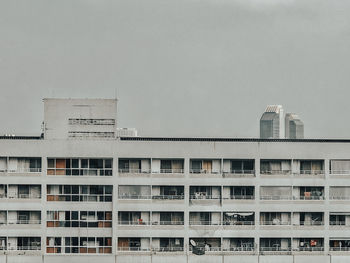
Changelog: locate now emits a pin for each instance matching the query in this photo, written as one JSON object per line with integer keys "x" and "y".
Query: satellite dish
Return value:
{"x": 193, "y": 243}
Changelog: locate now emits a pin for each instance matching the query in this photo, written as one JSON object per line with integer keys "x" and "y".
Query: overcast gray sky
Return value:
{"x": 181, "y": 67}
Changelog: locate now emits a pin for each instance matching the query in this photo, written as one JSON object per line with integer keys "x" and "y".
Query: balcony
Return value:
{"x": 205, "y": 219}
{"x": 275, "y": 168}
{"x": 309, "y": 245}
{"x": 309, "y": 168}
{"x": 238, "y": 168}
{"x": 22, "y": 166}
{"x": 167, "y": 168}
{"x": 339, "y": 168}
{"x": 275, "y": 218}
{"x": 79, "y": 167}
{"x": 275, "y": 246}
{"x": 205, "y": 168}
{"x": 134, "y": 167}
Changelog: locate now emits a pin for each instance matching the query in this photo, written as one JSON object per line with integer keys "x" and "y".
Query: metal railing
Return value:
{"x": 135, "y": 196}
{"x": 276, "y": 197}
{"x": 22, "y": 248}
{"x": 340, "y": 172}
{"x": 139, "y": 222}
{"x": 239, "y": 172}
{"x": 79, "y": 223}
{"x": 202, "y": 197}
{"x": 25, "y": 196}
{"x": 133, "y": 249}
{"x": 275, "y": 223}
{"x": 312, "y": 197}
{"x": 310, "y": 172}
{"x": 275, "y": 172}
{"x": 168, "y": 197}
{"x": 134, "y": 171}
{"x": 238, "y": 223}
{"x": 168, "y": 223}
{"x": 241, "y": 197}
{"x": 80, "y": 172}
{"x": 339, "y": 198}
{"x": 170, "y": 171}
{"x": 24, "y": 170}
{"x": 310, "y": 249}
{"x": 79, "y": 249}
{"x": 337, "y": 223}
{"x": 207, "y": 249}
{"x": 204, "y": 171}
{"x": 79, "y": 197}
{"x": 311, "y": 223}
{"x": 239, "y": 249}
{"x": 347, "y": 249}
{"x": 275, "y": 249}
{"x": 24, "y": 222}
{"x": 168, "y": 249}
{"x": 204, "y": 223}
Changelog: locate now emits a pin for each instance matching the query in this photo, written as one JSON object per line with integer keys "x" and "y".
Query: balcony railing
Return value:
{"x": 312, "y": 197}
{"x": 134, "y": 171}
{"x": 238, "y": 223}
{"x": 79, "y": 172}
{"x": 203, "y": 197}
{"x": 339, "y": 197}
{"x": 21, "y": 248}
{"x": 238, "y": 173}
{"x": 310, "y": 172}
{"x": 276, "y": 197}
{"x": 168, "y": 223}
{"x": 80, "y": 223}
{"x": 204, "y": 223}
{"x": 207, "y": 249}
{"x": 241, "y": 197}
{"x": 79, "y": 249}
{"x": 347, "y": 249}
{"x": 168, "y": 197}
{"x": 135, "y": 197}
{"x": 168, "y": 249}
{"x": 139, "y": 222}
{"x": 79, "y": 198}
{"x": 275, "y": 223}
{"x": 275, "y": 172}
{"x": 240, "y": 249}
{"x": 339, "y": 172}
{"x": 276, "y": 249}
{"x": 310, "y": 249}
{"x": 170, "y": 171}
{"x": 25, "y": 196}
{"x": 204, "y": 171}
{"x": 337, "y": 223}
{"x": 24, "y": 222}
{"x": 311, "y": 223}
{"x": 24, "y": 170}
{"x": 133, "y": 249}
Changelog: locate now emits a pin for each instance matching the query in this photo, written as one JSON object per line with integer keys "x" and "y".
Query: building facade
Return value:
{"x": 155, "y": 200}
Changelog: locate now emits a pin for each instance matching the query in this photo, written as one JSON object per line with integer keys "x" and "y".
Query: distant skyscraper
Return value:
{"x": 294, "y": 127}
{"x": 272, "y": 123}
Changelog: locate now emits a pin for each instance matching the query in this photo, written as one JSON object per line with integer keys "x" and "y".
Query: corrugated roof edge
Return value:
{"x": 231, "y": 139}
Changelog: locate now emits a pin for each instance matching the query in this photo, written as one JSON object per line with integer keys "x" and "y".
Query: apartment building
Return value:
{"x": 96, "y": 197}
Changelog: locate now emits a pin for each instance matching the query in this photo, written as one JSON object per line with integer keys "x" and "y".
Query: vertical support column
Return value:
{"x": 44, "y": 181}
{"x": 327, "y": 204}
{"x": 257, "y": 203}
{"x": 187, "y": 204}
{"x": 115, "y": 205}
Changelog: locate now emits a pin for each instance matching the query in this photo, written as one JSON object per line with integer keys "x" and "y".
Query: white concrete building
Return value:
{"x": 148, "y": 200}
